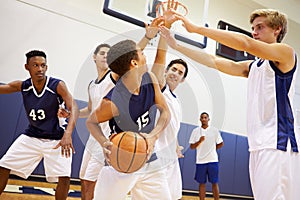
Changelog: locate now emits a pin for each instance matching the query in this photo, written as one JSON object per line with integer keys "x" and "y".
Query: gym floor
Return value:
{"x": 19, "y": 189}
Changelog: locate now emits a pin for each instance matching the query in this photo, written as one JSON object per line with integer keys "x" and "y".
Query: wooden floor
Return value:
{"x": 16, "y": 189}
{"x": 18, "y": 196}
{"x": 21, "y": 196}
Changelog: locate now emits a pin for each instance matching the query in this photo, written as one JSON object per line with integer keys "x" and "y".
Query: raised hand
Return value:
{"x": 167, "y": 10}
{"x": 186, "y": 23}
{"x": 152, "y": 29}
{"x": 165, "y": 32}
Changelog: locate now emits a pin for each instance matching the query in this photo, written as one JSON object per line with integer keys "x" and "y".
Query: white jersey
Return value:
{"x": 206, "y": 151}
{"x": 97, "y": 90}
{"x": 167, "y": 142}
{"x": 270, "y": 121}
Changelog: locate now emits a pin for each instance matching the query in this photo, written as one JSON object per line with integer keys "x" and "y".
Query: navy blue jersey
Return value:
{"x": 42, "y": 110}
{"x": 136, "y": 112}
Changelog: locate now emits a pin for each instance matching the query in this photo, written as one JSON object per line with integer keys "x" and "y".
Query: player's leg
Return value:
{"x": 202, "y": 191}
{"x": 294, "y": 175}
{"x": 62, "y": 188}
{"x": 112, "y": 185}
{"x": 87, "y": 189}
{"x": 213, "y": 177}
{"x": 21, "y": 159}
{"x": 200, "y": 177}
{"x": 57, "y": 168}
{"x": 4, "y": 174}
{"x": 87, "y": 185}
{"x": 151, "y": 184}
{"x": 215, "y": 191}
{"x": 89, "y": 172}
{"x": 91, "y": 165}
{"x": 267, "y": 169}
{"x": 174, "y": 179}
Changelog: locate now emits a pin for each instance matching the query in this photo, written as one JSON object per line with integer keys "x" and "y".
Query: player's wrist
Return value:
{"x": 148, "y": 38}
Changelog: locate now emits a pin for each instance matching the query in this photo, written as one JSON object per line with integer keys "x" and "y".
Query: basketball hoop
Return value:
{"x": 180, "y": 8}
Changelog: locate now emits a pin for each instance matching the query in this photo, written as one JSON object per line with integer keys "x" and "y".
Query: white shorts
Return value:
{"x": 173, "y": 174}
{"x": 26, "y": 153}
{"x": 275, "y": 174}
{"x": 112, "y": 185}
{"x": 90, "y": 166}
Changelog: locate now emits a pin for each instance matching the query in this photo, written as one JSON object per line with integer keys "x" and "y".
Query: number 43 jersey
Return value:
{"x": 41, "y": 109}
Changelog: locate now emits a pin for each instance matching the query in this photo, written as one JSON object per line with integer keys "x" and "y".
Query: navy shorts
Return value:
{"x": 208, "y": 170}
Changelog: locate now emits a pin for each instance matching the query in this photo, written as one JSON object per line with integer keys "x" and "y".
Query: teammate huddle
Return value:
{"x": 125, "y": 96}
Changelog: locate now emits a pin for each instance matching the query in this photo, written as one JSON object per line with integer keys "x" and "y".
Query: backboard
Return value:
{"x": 143, "y": 11}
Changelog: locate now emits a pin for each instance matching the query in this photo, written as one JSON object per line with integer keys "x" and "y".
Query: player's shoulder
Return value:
{"x": 150, "y": 76}
{"x": 54, "y": 81}
{"x": 196, "y": 129}
{"x": 213, "y": 127}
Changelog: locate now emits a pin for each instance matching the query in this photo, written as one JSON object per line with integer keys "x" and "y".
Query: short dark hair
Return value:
{"x": 204, "y": 113}
{"x": 34, "y": 53}
{"x": 100, "y": 46}
{"x": 179, "y": 61}
{"x": 120, "y": 55}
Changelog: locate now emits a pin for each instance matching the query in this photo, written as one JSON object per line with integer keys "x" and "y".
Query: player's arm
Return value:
{"x": 11, "y": 87}
{"x": 196, "y": 144}
{"x": 83, "y": 113}
{"x": 167, "y": 19}
{"x": 104, "y": 112}
{"x": 280, "y": 53}
{"x": 220, "y": 145}
{"x": 86, "y": 111}
{"x": 162, "y": 106}
{"x": 158, "y": 67}
{"x": 163, "y": 118}
{"x": 151, "y": 31}
{"x": 222, "y": 64}
{"x": 66, "y": 141}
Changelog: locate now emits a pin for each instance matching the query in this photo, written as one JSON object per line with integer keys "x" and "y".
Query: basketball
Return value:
{"x": 128, "y": 152}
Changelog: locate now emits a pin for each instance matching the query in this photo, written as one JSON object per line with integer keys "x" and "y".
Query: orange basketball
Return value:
{"x": 128, "y": 152}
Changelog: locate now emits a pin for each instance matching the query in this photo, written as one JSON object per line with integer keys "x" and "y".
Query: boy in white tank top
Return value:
{"x": 272, "y": 133}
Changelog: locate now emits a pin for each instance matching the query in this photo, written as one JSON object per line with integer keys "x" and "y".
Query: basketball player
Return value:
{"x": 206, "y": 140}
{"x": 169, "y": 78}
{"x": 168, "y": 149}
{"x": 131, "y": 106}
{"x": 273, "y": 141}
{"x": 93, "y": 158}
{"x": 44, "y": 137}
{"x": 167, "y": 146}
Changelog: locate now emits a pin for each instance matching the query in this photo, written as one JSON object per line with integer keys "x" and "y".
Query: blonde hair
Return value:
{"x": 275, "y": 19}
